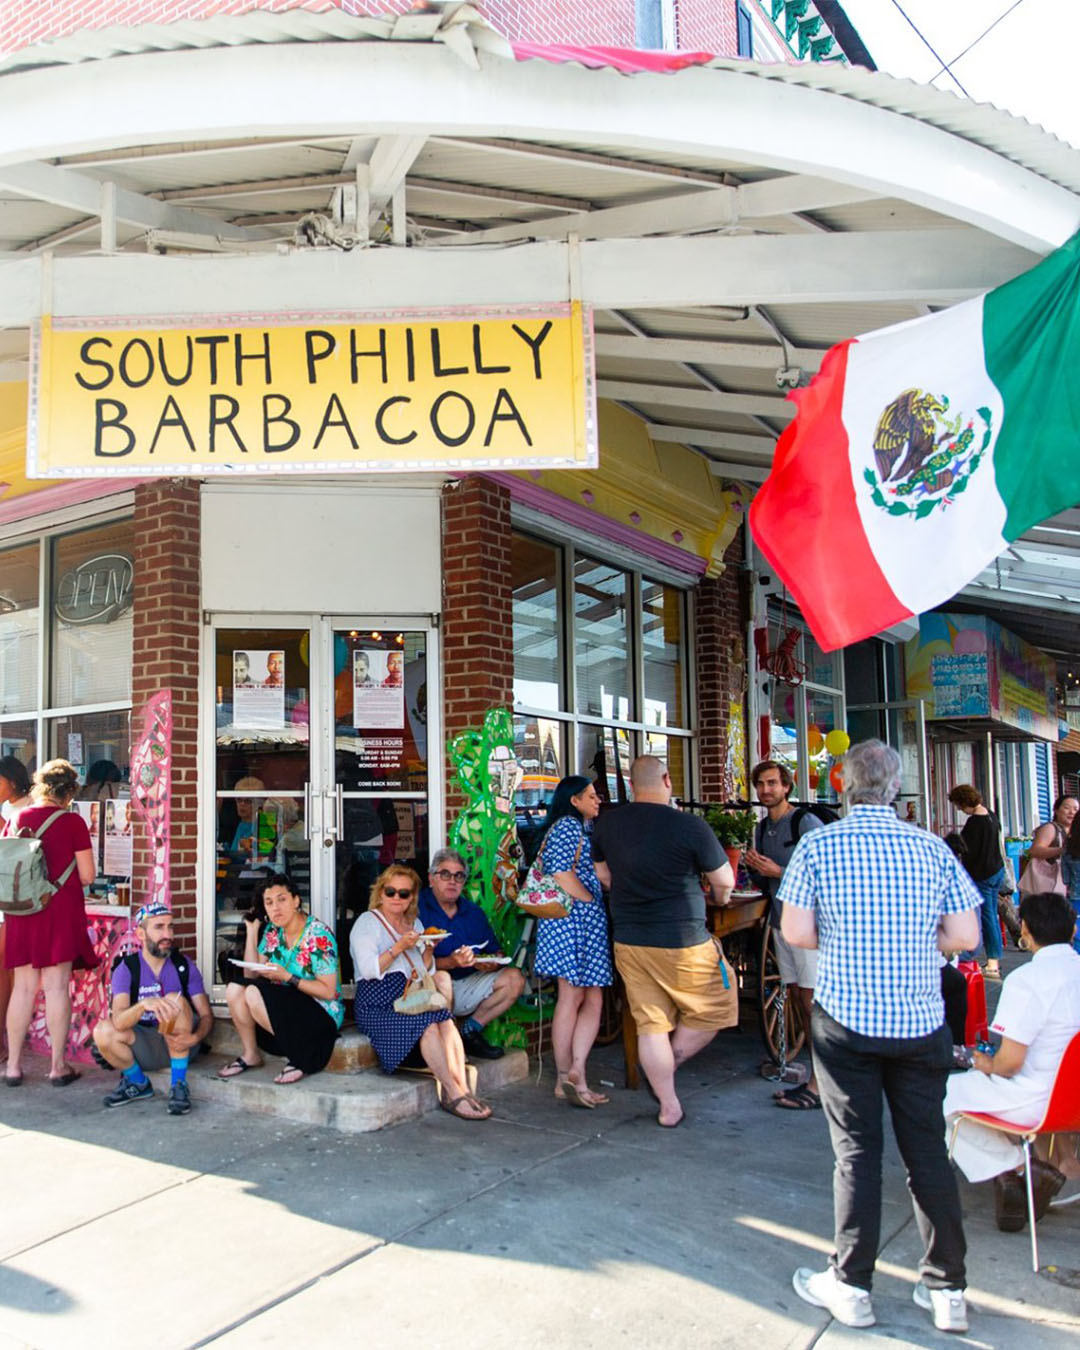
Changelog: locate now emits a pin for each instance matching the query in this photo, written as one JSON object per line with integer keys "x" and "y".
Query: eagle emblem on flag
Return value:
{"x": 923, "y": 457}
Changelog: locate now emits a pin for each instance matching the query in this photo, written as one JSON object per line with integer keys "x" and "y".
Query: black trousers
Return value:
{"x": 856, "y": 1075}
{"x": 954, "y": 992}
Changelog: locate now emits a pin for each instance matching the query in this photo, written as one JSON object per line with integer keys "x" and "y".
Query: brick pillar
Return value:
{"x": 166, "y": 656}
{"x": 477, "y": 619}
{"x": 720, "y": 641}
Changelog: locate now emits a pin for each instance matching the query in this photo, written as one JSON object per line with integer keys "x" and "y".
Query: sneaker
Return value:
{"x": 947, "y": 1307}
{"x": 179, "y": 1099}
{"x": 127, "y": 1091}
{"x": 477, "y": 1047}
{"x": 846, "y": 1302}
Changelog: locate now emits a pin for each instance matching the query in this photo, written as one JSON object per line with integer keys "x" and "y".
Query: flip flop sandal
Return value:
{"x": 799, "y": 1098}
{"x": 65, "y": 1079}
{"x": 238, "y": 1066}
{"x": 451, "y": 1107}
{"x": 574, "y": 1094}
{"x": 675, "y": 1126}
{"x": 13, "y": 1079}
{"x": 290, "y": 1074}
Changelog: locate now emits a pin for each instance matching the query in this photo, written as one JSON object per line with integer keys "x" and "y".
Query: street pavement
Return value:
{"x": 548, "y": 1226}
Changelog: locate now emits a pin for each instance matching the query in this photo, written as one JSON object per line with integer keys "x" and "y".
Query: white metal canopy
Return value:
{"x": 728, "y": 223}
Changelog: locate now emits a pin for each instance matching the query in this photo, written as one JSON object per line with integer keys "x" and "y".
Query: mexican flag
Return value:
{"x": 919, "y": 451}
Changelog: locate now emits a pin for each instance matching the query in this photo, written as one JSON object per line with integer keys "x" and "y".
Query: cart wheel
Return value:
{"x": 769, "y": 986}
{"x": 611, "y": 1014}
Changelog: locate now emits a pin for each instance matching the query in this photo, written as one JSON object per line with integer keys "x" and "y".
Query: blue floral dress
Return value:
{"x": 575, "y": 949}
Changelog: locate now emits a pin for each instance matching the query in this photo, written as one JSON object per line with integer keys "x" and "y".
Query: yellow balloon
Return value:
{"x": 837, "y": 742}
{"x": 815, "y": 741}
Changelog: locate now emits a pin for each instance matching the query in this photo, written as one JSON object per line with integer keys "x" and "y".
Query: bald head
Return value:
{"x": 649, "y": 779}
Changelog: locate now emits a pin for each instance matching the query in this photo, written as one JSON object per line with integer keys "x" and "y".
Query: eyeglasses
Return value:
{"x": 390, "y": 891}
{"x": 444, "y": 875}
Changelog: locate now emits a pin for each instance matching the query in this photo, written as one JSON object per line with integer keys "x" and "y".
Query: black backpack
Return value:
{"x": 131, "y": 960}
{"x": 825, "y": 813}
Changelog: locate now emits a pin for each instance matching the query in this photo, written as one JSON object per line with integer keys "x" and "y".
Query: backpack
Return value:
{"x": 131, "y": 960}
{"x": 25, "y": 886}
{"x": 825, "y": 813}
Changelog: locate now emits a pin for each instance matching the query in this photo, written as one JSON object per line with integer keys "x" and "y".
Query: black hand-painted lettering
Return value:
{"x": 217, "y": 420}
{"x": 380, "y": 427}
{"x": 478, "y": 356}
{"x": 242, "y": 356}
{"x": 436, "y": 413}
{"x": 511, "y": 415}
{"x": 176, "y": 379}
{"x": 103, "y": 423}
{"x": 327, "y": 346}
{"x": 534, "y": 343}
{"x": 141, "y": 346}
{"x": 437, "y": 368}
{"x": 88, "y": 360}
{"x": 212, "y": 342}
{"x": 333, "y": 404}
{"x": 285, "y": 407}
{"x": 171, "y": 416}
{"x": 355, "y": 354}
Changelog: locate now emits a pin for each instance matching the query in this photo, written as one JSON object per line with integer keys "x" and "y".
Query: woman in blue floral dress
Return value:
{"x": 576, "y": 949}
{"x": 294, "y": 1008}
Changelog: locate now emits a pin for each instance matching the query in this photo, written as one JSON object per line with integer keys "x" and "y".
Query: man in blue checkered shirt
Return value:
{"x": 881, "y": 900}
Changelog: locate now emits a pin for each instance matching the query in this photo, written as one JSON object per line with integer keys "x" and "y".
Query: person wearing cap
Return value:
{"x": 156, "y": 1024}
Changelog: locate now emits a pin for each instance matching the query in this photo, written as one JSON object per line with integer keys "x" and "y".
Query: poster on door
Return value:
{"x": 259, "y": 689}
{"x": 117, "y": 854}
{"x": 91, "y": 814}
{"x": 378, "y": 679}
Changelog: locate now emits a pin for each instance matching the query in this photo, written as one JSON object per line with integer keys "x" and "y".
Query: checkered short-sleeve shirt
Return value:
{"x": 878, "y": 888}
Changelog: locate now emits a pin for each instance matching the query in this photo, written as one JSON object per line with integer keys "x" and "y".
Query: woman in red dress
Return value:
{"x": 14, "y": 795}
{"x": 44, "y": 948}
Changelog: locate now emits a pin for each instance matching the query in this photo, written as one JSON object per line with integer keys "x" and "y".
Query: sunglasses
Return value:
{"x": 444, "y": 875}
{"x": 390, "y": 891}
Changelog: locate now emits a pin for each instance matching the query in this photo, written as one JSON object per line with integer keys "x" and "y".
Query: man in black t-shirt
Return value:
{"x": 680, "y": 990}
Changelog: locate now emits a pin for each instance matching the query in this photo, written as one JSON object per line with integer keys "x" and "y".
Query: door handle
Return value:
{"x": 340, "y": 811}
{"x": 307, "y": 812}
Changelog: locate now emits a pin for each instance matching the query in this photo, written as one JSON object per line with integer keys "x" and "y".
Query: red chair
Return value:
{"x": 976, "y": 1025}
{"x": 1062, "y": 1116}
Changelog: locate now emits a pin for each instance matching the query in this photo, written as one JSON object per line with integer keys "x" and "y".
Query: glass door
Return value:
{"x": 376, "y": 789}
{"x": 321, "y": 736}
{"x": 901, "y": 724}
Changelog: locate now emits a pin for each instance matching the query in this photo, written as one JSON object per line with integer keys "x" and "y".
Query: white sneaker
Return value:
{"x": 947, "y": 1307}
{"x": 846, "y": 1303}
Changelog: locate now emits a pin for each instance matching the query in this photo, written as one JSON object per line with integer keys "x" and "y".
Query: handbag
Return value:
{"x": 1042, "y": 875}
{"x": 541, "y": 896}
{"x": 420, "y": 994}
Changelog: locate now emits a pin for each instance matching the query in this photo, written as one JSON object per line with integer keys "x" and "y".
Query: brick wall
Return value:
{"x": 477, "y": 620}
{"x": 719, "y": 634}
{"x": 166, "y": 656}
{"x": 701, "y": 24}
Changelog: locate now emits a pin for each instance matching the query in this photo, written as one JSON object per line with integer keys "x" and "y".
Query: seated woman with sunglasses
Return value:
{"x": 387, "y": 955}
{"x": 294, "y": 1007}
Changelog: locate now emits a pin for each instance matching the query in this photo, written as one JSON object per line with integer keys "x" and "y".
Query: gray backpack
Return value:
{"x": 25, "y": 887}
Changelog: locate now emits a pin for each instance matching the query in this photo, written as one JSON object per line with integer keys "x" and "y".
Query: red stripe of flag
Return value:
{"x": 805, "y": 520}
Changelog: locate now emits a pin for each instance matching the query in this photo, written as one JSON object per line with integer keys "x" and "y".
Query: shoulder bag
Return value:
{"x": 420, "y": 994}
{"x": 1044, "y": 874}
{"x": 541, "y": 896}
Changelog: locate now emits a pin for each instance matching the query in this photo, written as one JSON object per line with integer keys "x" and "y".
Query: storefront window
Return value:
{"x": 92, "y": 593}
{"x": 19, "y": 624}
{"x": 662, "y": 643}
{"x": 601, "y": 639}
{"x": 534, "y": 578}
{"x": 622, "y": 639}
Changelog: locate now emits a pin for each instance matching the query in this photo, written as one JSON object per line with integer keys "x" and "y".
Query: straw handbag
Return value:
{"x": 420, "y": 994}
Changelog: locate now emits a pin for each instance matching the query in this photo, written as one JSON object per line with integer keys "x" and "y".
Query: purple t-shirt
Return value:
{"x": 155, "y": 986}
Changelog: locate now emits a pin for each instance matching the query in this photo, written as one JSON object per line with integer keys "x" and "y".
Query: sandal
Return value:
{"x": 576, "y": 1094}
{"x": 290, "y": 1074}
{"x": 799, "y": 1098}
{"x": 453, "y": 1106}
{"x": 237, "y": 1067}
{"x": 65, "y": 1079}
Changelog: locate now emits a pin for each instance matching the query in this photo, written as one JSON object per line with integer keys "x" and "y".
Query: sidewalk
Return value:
{"x": 548, "y": 1226}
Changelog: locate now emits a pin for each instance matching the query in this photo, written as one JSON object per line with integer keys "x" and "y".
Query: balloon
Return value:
{"x": 815, "y": 741}
{"x": 789, "y": 707}
{"x": 837, "y": 742}
{"x": 815, "y": 779}
{"x": 305, "y": 644}
{"x": 836, "y": 778}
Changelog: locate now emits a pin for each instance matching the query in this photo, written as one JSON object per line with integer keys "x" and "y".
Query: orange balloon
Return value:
{"x": 815, "y": 779}
{"x": 815, "y": 741}
{"x": 836, "y": 777}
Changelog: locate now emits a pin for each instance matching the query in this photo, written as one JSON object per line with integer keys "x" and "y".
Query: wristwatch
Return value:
{"x": 294, "y": 980}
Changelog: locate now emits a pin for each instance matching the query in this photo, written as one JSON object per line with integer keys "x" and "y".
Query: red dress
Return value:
{"x": 58, "y": 933}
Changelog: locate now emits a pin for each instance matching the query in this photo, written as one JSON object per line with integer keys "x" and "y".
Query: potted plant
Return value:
{"x": 734, "y": 830}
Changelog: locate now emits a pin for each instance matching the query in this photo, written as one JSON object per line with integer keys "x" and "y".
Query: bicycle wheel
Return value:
{"x": 769, "y": 986}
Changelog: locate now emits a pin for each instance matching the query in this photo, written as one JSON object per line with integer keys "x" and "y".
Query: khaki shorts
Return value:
{"x": 678, "y": 986}
{"x": 798, "y": 965}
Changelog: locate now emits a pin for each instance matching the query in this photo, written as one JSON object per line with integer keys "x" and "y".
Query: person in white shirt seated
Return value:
{"x": 1037, "y": 1016}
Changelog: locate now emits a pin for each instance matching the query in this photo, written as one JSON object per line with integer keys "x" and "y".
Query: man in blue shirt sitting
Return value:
{"x": 482, "y": 989}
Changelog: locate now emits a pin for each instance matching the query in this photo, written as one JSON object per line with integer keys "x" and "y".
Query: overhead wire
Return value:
{"x": 929, "y": 47}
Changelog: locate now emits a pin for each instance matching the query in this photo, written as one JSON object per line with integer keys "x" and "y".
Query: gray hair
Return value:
{"x": 447, "y": 855}
{"x": 871, "y": 774}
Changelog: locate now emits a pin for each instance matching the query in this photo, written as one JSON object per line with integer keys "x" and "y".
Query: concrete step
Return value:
{"x": 352, "y": 1050}
{"x": 355, "y": 1103}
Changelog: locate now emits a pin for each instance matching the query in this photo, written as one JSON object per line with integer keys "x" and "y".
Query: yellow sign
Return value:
{"x": 509, "y": 390}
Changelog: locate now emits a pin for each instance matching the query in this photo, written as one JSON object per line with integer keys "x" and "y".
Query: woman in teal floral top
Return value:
{"x": 294, "y": 1008}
